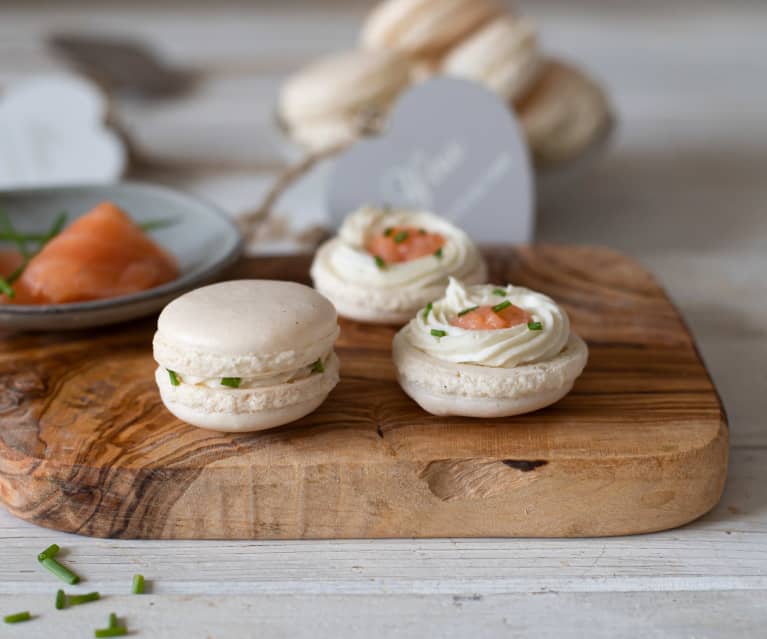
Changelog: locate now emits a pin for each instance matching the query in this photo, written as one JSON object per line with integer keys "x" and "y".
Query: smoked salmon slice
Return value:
{"x": 100, "y": 255}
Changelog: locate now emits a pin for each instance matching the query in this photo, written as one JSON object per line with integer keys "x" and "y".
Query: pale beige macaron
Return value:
{"x": 246, "y": 355}
{"x": 425, "y": 28}
{"x": 564, "y": 114}
{"x": 503, "y": 56}
{"x": 333, "y": 100}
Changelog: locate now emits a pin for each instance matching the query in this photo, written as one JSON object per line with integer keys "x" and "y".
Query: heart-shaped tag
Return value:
{"x": 52, "y": 132}
{"x": 451, "y": 147}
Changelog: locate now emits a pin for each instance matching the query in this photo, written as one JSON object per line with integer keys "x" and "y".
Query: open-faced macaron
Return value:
{"x": 385, "y": 264}
{"x": 488, "y": 351}
{"x": 246, "y": 355}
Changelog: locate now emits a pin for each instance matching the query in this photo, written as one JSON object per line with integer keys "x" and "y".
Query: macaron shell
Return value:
{"x": 563, "y": 114}
{"x": 251, "y": 408}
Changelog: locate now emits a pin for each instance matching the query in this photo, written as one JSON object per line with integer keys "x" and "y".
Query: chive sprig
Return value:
{"x": 18, "y": 617}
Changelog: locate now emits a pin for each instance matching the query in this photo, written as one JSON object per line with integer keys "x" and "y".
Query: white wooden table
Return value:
{"x": 684, "y": 189}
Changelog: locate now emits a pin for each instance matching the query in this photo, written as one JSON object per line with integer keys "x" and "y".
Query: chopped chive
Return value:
{"x": 137, "y": 588}
{"x": 388, "y": 231}
{"x": 174, "y": 380}
{"x": 379, "y": 262}
{"x": 58, "y": 225}
{"x": 438, "y": 253}
{"x": 468, "y": 310}
{"x": 156, "y": 225}
{"x": 117, "y": 631}
{"x": 76, "y": 600}
{"x": 18, "y": 617}
{"x": 62, "y": 572}
{"x": 5, "y": 289}
{"x": 427, "y": 310}
{"x": 438, "y": 332}
{"x": 50, "y": 551}
{"x": 500, "y": 292}
{"x": 400, "y": 237}
{"x": 18, "y": 239}
{"x": 535, "y": 326}
{"x": 318, "y": 367}
{"x": 422, "y": 231}
{"x": 231, "y": 382}
{"x": 113, "y": 621}
{"x": 499, "y": 307}
{"x": 61, "y": 600}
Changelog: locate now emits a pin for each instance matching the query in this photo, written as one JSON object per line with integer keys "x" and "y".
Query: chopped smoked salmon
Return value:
{"x": 484, "y": 318}
{"x": 404, "y": 243}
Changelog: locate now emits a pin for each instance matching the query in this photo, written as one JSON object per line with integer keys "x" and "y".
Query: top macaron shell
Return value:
{"x": 245, "y": 327}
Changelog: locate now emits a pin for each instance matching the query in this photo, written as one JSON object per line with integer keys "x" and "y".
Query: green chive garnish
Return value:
{"x": 379, "y": 262}
{"x": 113, "y": 621}
{"x": 62, "y": 572}
{"x": 438, "y": 332}
{"x": 318, "y": 367}
{"x": 61, "y": 600}
{"x": 76, "y": 600}
{"x": 5, "y": 289}
{"x": 18, "y": 617}
{"x": 50, "y": 551}
{"x": 174, "y": 380}
{"x": 535, "y": 326}
{"x": 117, "y": 631}
{"x": 388, "y": 231}
{"x": 137, "y": 587}
{"x": 400, "y": 237}
{"x": 422, "y": 231}
{"x": 56, "y": 228}
{"x": 500, "y": 292}
{"x": 468, "y": 310}
{"x": 438, "y": 253}
{"x": 427, "y": 310}
{"x": 231, "y": 382}
{"x": 499, "y": 307}
{"x": 156, "y": 225}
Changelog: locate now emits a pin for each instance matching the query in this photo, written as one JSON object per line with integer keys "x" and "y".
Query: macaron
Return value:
{"x": 333, "y": 100}
{"x": 503, "y": 55}
{"x": 488, "y": 351}
{"x": 425, "y": 28}
{"x": 246, "y": 355}
{"x": 564, "y": 114}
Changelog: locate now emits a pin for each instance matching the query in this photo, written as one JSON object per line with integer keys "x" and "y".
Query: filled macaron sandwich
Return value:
{"x": 386, "y": 264}
{"x": 246, "y": 355}
{"x": 488, "y": 351}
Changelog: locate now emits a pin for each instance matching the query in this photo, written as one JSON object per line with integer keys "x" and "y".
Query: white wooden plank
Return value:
{"x": 565, "y": 615}
{"x": 725, "y": 550}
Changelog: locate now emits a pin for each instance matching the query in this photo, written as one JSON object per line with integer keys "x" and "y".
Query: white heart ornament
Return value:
{"x": 451, "y": 147}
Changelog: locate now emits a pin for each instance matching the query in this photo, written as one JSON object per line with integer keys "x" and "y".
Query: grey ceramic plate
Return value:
{"x": 202, "y": 238}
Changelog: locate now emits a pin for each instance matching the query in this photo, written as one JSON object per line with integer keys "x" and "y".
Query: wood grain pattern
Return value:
{"x": 639, "y": 445}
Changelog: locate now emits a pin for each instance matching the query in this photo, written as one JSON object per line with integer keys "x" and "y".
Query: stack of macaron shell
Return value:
{"x": 385, "y": 264}
{"x": 246, "y": 355}
{"x": 563, "y": 112}
{"x": 488, "y": 351}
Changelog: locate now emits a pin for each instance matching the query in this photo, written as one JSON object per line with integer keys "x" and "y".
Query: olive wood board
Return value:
{"x": 639, "y": 445}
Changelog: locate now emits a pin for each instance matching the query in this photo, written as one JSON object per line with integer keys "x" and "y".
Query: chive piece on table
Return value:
{"x": 427, "y": 310}
{"x": 438, "y": 252}
{"x": 499, "y": 307}
{"x": 113, "y": 621}
{"x": 50, "y": 551}
{"x": 318, "y": 367}
{"x": 400, "y": 237}
{"x": 18, "y": 617}
{"x": 500, "y": 292}
{"x": 62, "y": 572}
{"x": 231, "y": 382}
{"x": 174, "y": 380}
{"x": 76, "y": 600}
{"x": 467, "y": 310}
{"x": 379, "y": 262}
{"x": 438, "y": 332}
{"x": 117, "y": 631}
{"x": 61, "y": 600}
{"x": 138, "y": 585}
{"x": 535, "y": 326}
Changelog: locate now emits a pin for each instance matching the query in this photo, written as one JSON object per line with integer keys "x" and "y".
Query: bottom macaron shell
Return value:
{"x": 247, "y": 409}
{"x": 446, "y": 388}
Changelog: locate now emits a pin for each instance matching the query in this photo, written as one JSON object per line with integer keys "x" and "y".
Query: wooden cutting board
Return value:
{"x": 639, "y": 445}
